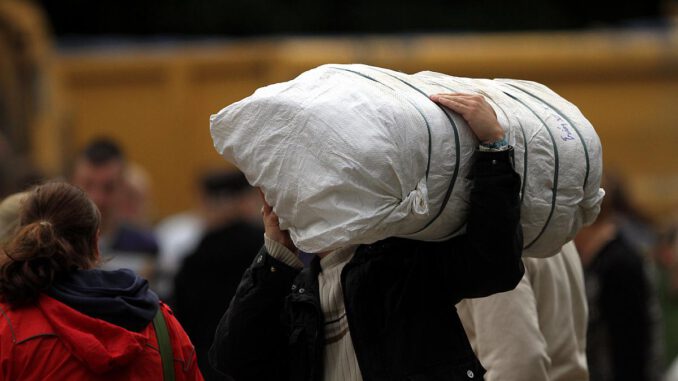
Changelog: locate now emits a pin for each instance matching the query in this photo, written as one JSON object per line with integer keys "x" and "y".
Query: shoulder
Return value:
{"x": 25, "y": 335}
{"x": 620, "y": 256}
{"x": 21, "y": 325}
{"x": 618, "y": 266}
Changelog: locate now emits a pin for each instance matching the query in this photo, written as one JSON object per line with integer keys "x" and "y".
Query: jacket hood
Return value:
{"x": 119, "y": 297}
{"x": 99, "y": 345}
{"x": 100, "y": 316}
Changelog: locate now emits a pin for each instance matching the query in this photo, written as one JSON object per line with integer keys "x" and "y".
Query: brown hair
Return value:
{"x": 57, "y": 234}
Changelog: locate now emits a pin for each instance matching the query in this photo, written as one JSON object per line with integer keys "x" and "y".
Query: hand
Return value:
{"x": 479, "y": 115}
{"x": 272, "y": 226}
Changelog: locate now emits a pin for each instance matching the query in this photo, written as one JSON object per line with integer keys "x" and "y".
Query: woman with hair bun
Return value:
{"x": 61, "y": 319}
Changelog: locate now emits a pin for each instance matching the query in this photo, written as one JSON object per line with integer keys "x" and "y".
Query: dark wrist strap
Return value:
{"x": 164, "y": 345}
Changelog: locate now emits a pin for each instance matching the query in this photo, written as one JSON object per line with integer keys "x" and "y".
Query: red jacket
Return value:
{"x": 52, "y": 341}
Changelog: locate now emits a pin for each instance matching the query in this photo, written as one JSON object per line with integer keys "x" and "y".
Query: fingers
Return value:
{"x": 265, "y": 209}
{"x": 272, "y": 225}
{"x": 453, "y": 104}
{"x": 476, "y": 111}
{"x": 463, "y": 103}
{"x": 270, "y": 218}
{"x": 459, "y": 102}
{"x": 467, "y": 100}
{"x": 465, "y": 96}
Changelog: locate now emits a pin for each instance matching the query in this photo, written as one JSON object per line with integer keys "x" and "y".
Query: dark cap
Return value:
{"x": 223, "y": 183}
{"x": 102, "y": 150}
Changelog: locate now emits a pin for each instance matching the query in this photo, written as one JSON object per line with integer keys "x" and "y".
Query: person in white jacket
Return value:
{"x": 536, "y": 332}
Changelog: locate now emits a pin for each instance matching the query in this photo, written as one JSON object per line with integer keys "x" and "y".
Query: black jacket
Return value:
{"x": 208, "y": 280}
{"x": 621, "y": 335}
{"x": 399, "y": 296}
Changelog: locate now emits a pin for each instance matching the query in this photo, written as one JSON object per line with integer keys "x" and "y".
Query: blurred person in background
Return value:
{"x": 633, "y": 224}
{"x": 135, "y": 200}
{"x": 9, "y": 216}
{"x": 25, "y": 53}
{"x": 624, "y": 331}
{"x": 64, "y": 320}
{"x": 17, "y": 172}
{"x": 178, "y": 235}
{"x": 28, "y": 110}
{"x": 100, "y": 170}
{"x": 536, "y": 332}
{"x": 209, "y": 276}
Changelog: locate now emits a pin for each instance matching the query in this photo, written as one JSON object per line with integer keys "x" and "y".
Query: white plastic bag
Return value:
{"x": 350, "y": 154}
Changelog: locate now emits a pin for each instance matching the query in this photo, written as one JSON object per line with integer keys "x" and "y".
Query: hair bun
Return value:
{"x": 56, "y": 234}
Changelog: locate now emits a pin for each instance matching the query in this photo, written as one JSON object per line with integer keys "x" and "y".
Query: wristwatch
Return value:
{"x": 499, "y": 145}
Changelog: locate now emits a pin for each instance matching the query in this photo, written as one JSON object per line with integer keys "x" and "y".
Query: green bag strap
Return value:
{"x": 164, "y": 345}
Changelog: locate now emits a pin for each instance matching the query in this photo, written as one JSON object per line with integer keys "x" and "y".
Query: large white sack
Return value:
{"x": 351, "y": 154}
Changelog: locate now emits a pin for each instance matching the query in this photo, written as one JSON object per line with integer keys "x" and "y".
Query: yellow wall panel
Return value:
{"x": 157, "y": 102}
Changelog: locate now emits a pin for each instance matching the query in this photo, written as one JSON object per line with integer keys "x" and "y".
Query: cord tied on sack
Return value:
{"x": 418, "y": 199}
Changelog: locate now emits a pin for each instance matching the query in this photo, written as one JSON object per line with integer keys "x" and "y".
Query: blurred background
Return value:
{"x": 147, "y": 74}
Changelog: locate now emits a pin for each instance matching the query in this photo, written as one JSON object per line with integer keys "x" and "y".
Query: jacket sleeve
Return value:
{"x": 505, "y": 333}
{"x": 250, "y": 342}
{"x": 487, "y": 258}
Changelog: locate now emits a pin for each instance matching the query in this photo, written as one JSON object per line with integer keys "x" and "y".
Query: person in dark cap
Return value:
{"x": 210, "y": 275}
{"x": 99, "y": 170}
